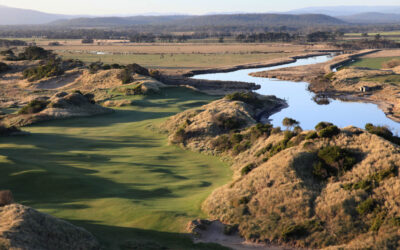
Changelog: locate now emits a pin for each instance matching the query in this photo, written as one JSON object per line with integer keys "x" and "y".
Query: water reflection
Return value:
{"x": 302, "y": 104}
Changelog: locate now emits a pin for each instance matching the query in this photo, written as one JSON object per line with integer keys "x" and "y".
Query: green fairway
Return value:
{"x": 372, "y": 63}
{"x": 115, "y": 174}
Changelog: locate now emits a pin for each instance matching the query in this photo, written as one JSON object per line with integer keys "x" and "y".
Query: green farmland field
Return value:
{"x": 372, "y": 63}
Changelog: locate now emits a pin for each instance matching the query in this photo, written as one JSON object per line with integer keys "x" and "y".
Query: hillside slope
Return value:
{"x": 372, "y": 18}
{"x": 326, "y": 188}
{"x": 23, "y": 227}
{"x": 16, "y": 16}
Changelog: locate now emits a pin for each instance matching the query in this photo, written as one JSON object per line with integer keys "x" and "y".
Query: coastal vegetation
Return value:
{"x": 290, "y": 186}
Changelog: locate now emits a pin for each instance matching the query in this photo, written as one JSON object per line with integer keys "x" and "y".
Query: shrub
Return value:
{"x": 222, "y": 143}
{"x": 87, "y": 41}
{"x": 231, "y": 229}
{"x": 246, "y": 97}
{"x": 95, "y": 66}
{"x": 329, "y": 132}
{"x": 34, "y": 53}
{"x": 333, "y": 161}
{"x": 115, "y": 66}
{"x": 227, "y": 123}
{"x": 297, "y": 130}
{"x": 322, "y": 125}
{"x": 136, "y": 68}
{"x": 289, "y": 122}
{"x": 294, "y": 231}
{"x": 236, "y": 138}
{"x": 3, "y": 67}
{"x": 366, "y": 206}
{"x": 383, "y": 132}
{"x": 33, "y": 107}
{"x": 276, "y": 130}
{"x": 264, "y": 150}
{"x": 241, "y": 147}
{"x": 72, "y": 63}
{"x": 311, "y": 135}
{"x": 261, "y": 129}
{"x": 247, "y": 169}
{"x": 372, "y": 181}
{"x": 54, "y": 44}
{"x": 51, "y": 68}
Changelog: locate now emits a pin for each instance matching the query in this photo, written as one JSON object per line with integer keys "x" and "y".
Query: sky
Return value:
{"x": 125, "y": 7}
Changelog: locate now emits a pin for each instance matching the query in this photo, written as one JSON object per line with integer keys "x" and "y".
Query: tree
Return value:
{"x": 221, "y": 40}
{"x": 289, "y": 123}
{"x": 87, "y": 40}
{"x": 378, "y": 37}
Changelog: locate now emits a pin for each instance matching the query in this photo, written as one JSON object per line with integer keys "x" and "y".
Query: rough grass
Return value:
{"x": 389, "y": 79}
{"x": 114, "y": 174}
{"x": 281, "y": 201}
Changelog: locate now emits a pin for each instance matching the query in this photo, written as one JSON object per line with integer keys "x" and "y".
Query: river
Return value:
{"x": 302, "y": 107}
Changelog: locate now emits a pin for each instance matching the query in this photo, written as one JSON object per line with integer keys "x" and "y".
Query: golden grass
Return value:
{"x": 281, "y": 200}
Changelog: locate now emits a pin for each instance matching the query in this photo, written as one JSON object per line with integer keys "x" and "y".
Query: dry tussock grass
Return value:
{"x": 100, "y": 80}
{"x": 283, "y": 192}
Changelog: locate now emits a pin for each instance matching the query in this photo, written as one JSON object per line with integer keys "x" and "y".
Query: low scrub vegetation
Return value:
{"x": 247, "y": 169}
{"x": 96, "y": 66}
{"x": 3, "y": 67}
{"x": 227, "y": 123}
{"x": 49, "y": 69}
{"x": 33, "y": 107}
{"x": 383, "y": 132}
{"x": 326, "y": 130}
{"x": 246, "y": 97}
{"x": 333, "y": 161}
{"x": 373, "y": 180}
{"x": 32, "y": 53}
{"x": 239, "y": 142}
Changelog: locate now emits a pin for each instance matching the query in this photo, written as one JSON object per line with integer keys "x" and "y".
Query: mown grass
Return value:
{"x": 372, "y": 63}
{"x": 115, "y": 174}
{"x": 175, "y": 61}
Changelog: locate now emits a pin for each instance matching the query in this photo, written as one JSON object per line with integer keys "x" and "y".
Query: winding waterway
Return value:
{"x": 302, "y": 107}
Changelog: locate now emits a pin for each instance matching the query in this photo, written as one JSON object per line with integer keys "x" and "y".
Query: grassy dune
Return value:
{"x": 115, "y": 174}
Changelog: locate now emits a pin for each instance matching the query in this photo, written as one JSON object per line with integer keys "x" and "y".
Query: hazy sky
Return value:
{"x": 109, "y": 7}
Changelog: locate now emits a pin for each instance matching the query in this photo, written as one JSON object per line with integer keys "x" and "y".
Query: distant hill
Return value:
{"x": 206, "y": 20}
{"x": 337, "y": 11}
{"x": 371, "y": 18}
{"x": 117, "y": 21}
{"x": 15, "y": 16}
